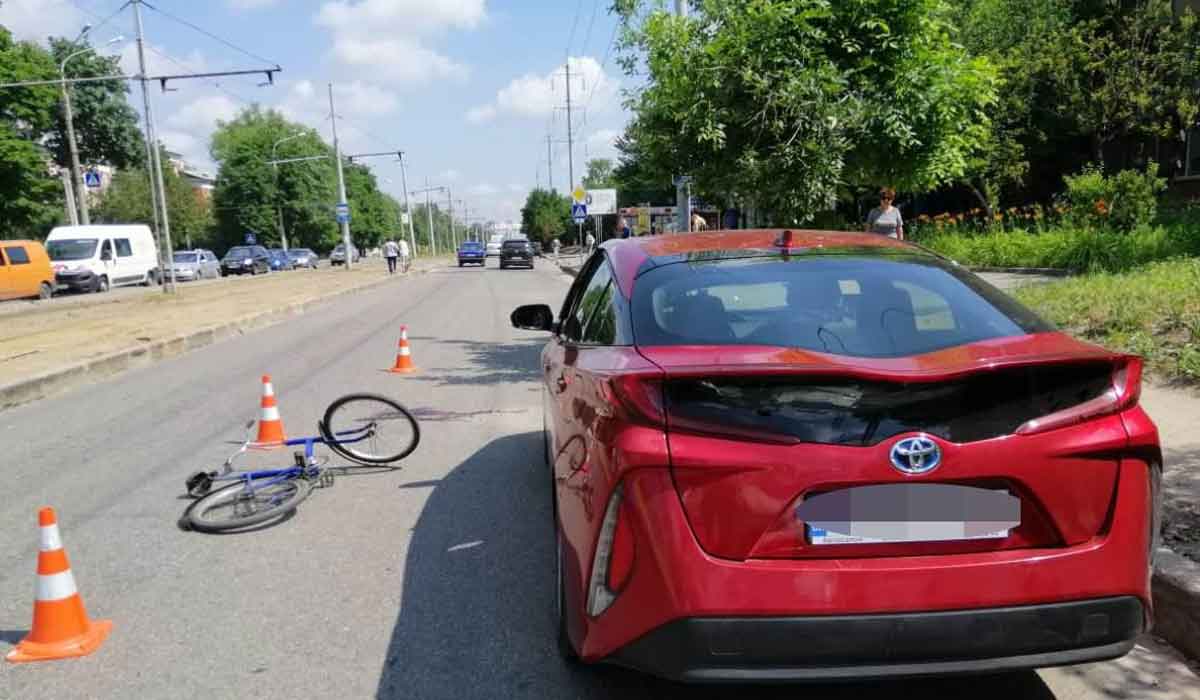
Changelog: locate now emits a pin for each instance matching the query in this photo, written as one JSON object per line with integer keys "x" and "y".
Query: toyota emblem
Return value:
{"x": 916, "y": 455}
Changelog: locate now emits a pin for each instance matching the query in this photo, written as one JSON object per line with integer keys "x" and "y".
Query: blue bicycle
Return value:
{"x": 368, "y": 429}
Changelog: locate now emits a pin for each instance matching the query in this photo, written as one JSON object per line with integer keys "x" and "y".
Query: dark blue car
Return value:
{"x": 472, "y": 253}
{"x": 280, "y": 260}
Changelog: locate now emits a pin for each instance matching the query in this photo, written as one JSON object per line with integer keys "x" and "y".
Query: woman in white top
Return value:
{"x": 885, "y": 219}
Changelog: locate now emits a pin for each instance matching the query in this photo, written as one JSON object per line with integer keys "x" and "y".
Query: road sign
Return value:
{"x": 91, "y": 178}
{"x": 404, "y": 217}
{"x": 601, "y": 202}
{"x": 342, "y": 213}
{"x": 251, "y": 239}
{"x": 579, "y": 213}
{"x": 579, "y": 195}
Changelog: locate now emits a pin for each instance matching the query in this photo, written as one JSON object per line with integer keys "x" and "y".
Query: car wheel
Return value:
{"x": 101, "y": 284}
{"x": 45, "y": 291}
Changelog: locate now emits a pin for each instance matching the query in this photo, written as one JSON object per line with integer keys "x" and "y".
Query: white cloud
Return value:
{"x": 483, "y": 113}
{"x": 33, "y": 20}
{"x": 603, "y": 143}
{"x": 157, "y": 62}
{"x": 512, "y": 187}
{"x": 390, "y": 36}
{"x": 534, "y": 95}
{"x": 364, "y": 99}
{"x": 201, "y": 114}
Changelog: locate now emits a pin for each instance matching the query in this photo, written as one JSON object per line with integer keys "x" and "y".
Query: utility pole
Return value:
{"x": 337, "y": 157}
{"x": 278, "y": 198}
{"x": 570, "y": 136}
{"x": 681, "y": 8}
{"x": 166, "y": 254}
{"x": 69, "y": 199}
{"x": 549, "y": 165}
{"x": 429, "y": 213}
{"x": 450, "y": 207}
{"x": 76, "y": 171}
{"x": 412, "y": 239}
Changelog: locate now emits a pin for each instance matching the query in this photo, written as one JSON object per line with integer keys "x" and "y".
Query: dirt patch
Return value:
{"x": 56, "y": 337}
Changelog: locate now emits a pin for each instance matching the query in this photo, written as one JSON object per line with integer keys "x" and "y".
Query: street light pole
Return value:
{"x": 337, "y": 156}
{"x": 412, "y": 239}
{"x": 278, "y": 197}
{"x": 429, "y": 213}
{"x": 450, "y": 207}
{"x": 155, "y": 160}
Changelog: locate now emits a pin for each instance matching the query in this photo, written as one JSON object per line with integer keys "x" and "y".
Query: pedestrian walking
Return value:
{"x": 391, "y": 251}
{"x": 623, "y": 225}
{"x": 555, "y": 245}
{"x": 698, "y": 222}
{"x": 405, "y": 255}
{"x": 591, "y": 243}
{"x": 885, "y": 219}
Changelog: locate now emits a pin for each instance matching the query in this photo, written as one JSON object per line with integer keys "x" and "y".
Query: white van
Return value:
{"x": 94, "y": 258}
{"x": 493, "y": 245}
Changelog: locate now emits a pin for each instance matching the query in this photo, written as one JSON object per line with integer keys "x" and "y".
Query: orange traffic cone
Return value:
{"x": 270, "y": 426}
{"x": 61, "y": 628}
{"x": 404, "y": 363}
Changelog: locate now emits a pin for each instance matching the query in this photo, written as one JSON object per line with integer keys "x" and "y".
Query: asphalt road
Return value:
{"x": 431, "y": 581}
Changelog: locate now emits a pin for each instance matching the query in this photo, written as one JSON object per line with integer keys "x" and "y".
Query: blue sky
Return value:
{"x": 468, "y": 88}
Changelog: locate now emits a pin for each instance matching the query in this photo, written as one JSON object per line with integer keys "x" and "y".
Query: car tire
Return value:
{"x": 100, "y": 285}
{"x": 45, "y": 290}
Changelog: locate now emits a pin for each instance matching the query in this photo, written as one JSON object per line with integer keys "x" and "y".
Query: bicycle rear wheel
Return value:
{"x": 237, "y": 506}
{"x": 370, "y": 429}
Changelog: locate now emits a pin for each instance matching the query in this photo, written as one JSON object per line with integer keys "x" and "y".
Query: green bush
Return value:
{"x": 1153, "y": 312}
{"x": 1122, "y": 202}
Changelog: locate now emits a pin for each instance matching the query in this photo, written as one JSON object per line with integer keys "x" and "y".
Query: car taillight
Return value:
{"x": 612, "y": 563}
{"x": 640, "y": 397}
{"x": 1124, "y": 392}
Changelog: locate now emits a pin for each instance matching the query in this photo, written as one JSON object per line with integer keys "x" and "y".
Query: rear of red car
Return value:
{"x": 845, "y": 461}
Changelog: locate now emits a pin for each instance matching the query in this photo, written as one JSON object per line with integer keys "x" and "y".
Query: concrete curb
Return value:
{"x": 63, "y": 379}
{"x": 1176, "y": 590}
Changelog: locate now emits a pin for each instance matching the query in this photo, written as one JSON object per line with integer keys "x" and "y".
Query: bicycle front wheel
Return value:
{"x": 243, "y": 504}
{"x": 370, "y": 429}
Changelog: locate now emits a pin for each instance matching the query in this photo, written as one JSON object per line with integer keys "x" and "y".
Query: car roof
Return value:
{"x": 632, "y": 257}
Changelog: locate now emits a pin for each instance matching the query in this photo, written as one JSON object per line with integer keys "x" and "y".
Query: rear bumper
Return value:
{"x": 896, "y": 645}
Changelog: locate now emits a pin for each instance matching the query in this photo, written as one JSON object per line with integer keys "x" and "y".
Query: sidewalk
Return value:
{"x": 52, "y": 348}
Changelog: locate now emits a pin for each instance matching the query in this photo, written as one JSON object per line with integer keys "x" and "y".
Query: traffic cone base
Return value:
{"x": 270, "y": 425}
{"x": 61, "y": 628}
{"x": 404, "y": 363}
{"x": 94, "y": 634}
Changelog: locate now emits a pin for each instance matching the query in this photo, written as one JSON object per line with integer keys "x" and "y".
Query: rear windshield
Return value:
{"x": 852, "y": 305}
{"x": 239, "y": 251}
{"x": 298, "y": 253}
{"x": 71, "y": 249}
{"x": 471, "y": 245}
{"x": 516, "y": 244}
{"x": 186, "y": 257}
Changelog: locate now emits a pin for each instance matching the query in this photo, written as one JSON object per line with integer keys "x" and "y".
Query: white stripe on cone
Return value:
{"x": 49, "y": 539}
{"x": 404, "y": 351}
{"x": 270, "y": 413}
{"x": 56, "y": 586}
{"x": 268, "y": 390}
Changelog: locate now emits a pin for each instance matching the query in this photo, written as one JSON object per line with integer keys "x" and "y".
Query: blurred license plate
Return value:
{"x": 898, "y": 513}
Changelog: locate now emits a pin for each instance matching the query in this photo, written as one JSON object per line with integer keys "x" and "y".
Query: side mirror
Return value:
{"x": 533, "y": 317}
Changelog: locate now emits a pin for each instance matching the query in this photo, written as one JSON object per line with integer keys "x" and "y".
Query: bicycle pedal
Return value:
{"x": 199, "y": 484}
{"x": 326, "y": 479}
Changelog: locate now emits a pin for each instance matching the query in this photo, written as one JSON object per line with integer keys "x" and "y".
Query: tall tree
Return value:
{"x": 599, "y": 174}
{"x": 106, "y": 126}
{"x": 786, "y": 102}
{"x": 546, "y": 215}
{"x": 31, "y": 197}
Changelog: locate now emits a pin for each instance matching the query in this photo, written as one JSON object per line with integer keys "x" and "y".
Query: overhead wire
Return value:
{"x": 210, "y": 35}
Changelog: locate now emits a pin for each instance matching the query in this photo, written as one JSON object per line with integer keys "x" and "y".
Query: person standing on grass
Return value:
{"x": 885, "y": 219}
{"x": 391, "y": 251}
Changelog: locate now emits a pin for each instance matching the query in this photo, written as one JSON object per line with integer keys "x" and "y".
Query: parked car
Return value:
{"x": 303, "y": 257}
{"x": 817, "y": 455}
{"x": 94, "y": 258}
{"x": 25, "y": 271}
{"x": 516, "y": 251}
{"x": 471, "y": 253}
{"x": 195, "y": 265}
{"x": 338, "y": 256}
{"x": 280, "y": 260}
{"x": 246, "y": 260}
{"x": 493, "y": 245}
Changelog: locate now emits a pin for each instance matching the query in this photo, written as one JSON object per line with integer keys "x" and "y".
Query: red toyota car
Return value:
{"x": 807, "y": 455}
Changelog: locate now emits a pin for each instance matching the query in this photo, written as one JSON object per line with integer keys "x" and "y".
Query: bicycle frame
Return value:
{"x": 258, "y": 479}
